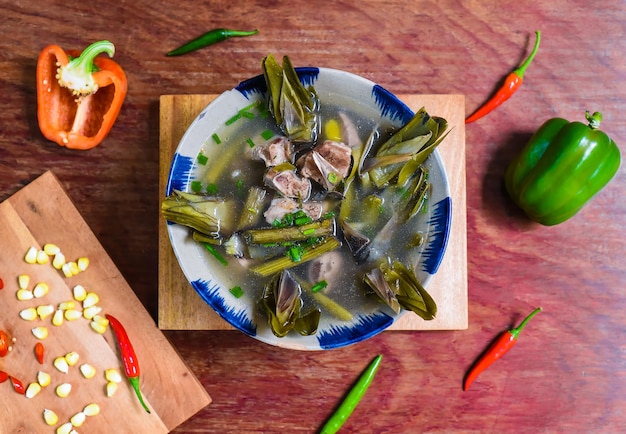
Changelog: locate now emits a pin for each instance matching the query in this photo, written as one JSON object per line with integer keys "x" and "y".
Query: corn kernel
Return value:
{"x": 113, "y": 375}
{"x": 51, "y": 249}
{"x": 32, "y": 390}
{"x": 61, "y": 364}
{"x": 66, "y": 428}
{"x": 24, "y": 294}
{"x": 41, "y": 289}
{"x": 63, "y": 390}
{"x": 31, "y": 255}
{"x": 23, "y": 280}
{"x": 97, "y": 327}
{"x": 111, "y": 388}
{"x": 73, "y": 266}
{"x": 58, "y": 261}
{"x": 91, "y": 409}
{"x": 78, "y": 419}
{"x": 79, "y": 292}
{"x": 90, "y": 300}
{"x": 65, "y": 305}
{"x": 87, "y": 370}
{"x": 57, "y": 318}
{"x": 82, "y": 263}
{"x": 44, "y": 311}
{"x": 67, "y": 271}
{"x": 91, "y": 311}
{"x": 40, "y": 332}
{"x": 101, "y": 320}
{"x": 73, "y": 314}
{"x": 43, "y": 378}
{"x": 50, "y": 417}
{"x": 28, "y": 314}
{"x": 42, "y": 257}
{"x": 72, "y": 358}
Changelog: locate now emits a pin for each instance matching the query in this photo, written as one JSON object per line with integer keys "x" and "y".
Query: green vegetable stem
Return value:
{"x": 353, "y": 398}
{"x": 561, "y": 168}
{"x": 209, "y": 38}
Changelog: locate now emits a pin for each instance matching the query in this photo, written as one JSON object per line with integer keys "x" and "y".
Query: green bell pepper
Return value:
{"x": 561, "y": 168}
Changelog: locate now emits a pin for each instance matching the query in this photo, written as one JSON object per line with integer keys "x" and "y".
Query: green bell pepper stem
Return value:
{"x": 353, "y": 398}
{"x": 594, "y": 119}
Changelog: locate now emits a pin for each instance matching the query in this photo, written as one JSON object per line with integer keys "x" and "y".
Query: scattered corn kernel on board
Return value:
{"x": 180, "y": 308}
{"x": 42, "y": 213}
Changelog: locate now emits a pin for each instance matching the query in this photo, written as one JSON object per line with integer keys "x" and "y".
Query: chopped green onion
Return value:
{"x": 216, "y": 139}
{"x": 250, "y": 142}
{"x": 211, "y": 189}
{"x": 319, "y": 286}
{"x": 240, "y": 184}
{"x": 202, "y": 159}
{"x": 196, "y": 186}
{"x": 267, "y": 134}
{"x": 215, "y": 253}
{"x": 236, "y": 291}
{"x": 333, "y": 177}
{"x": 233, "y": 119}
{"x": 295, "y": 253}
{"x": 303, "y": 220}
{"x": 308, "y": 231}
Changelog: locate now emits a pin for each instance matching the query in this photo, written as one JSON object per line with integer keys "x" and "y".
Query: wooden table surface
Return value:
{"x": 567, "y": 373}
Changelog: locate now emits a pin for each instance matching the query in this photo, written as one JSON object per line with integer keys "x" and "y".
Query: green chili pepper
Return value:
{"x": 353, "y": 398}
{"x": 561, "y": 168}
{"x": 209, "y": 38}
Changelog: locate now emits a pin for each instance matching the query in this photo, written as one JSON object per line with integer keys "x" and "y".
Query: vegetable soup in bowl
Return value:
{"x": 309, "y": 207}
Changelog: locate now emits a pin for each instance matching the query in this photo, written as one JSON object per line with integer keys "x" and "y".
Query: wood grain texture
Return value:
{"x": 566, "y": 375}
{"x": 42, "y": 213}
{"x": 180, "y": 308}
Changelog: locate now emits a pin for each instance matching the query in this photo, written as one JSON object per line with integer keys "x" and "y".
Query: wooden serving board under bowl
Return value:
{"x": 180, "y": 308}
{"x": 42, "y": 213}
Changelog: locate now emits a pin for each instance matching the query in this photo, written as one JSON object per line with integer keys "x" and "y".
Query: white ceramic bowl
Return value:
{"x": 340, "y": 87}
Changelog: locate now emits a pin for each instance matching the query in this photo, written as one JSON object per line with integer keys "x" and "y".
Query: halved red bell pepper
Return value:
{"x": 79, "y": 95}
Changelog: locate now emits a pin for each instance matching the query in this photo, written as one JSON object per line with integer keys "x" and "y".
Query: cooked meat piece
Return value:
{"x": 327, "y": 164}
{"x": 326, "y": 267}
{"x": 288, "y": 183}
{"x": 277, "y": 151}
{"x": 281, "y": 206}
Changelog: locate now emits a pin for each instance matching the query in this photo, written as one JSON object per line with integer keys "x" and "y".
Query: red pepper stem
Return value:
{"x": 85, "y": 60}
{"x": 134, "y": 381}
{"x": 522, "y": 68}
{"x": 517, "y": 330}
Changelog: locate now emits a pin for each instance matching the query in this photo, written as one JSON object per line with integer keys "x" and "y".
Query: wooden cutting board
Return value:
{"x": 180, "y": 308}
{"x": 42, "y": 213}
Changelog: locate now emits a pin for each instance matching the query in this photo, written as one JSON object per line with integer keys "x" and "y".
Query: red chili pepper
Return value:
{"x": 1, "y": 283}
{"x": 39, "y": 352}
{"x": 129, "y": 358}
{"x": 511, "y": 83}
{"x": 17, "y": 385}
{"x": 3, "y": 377}
{"x": 497, "y": 349}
